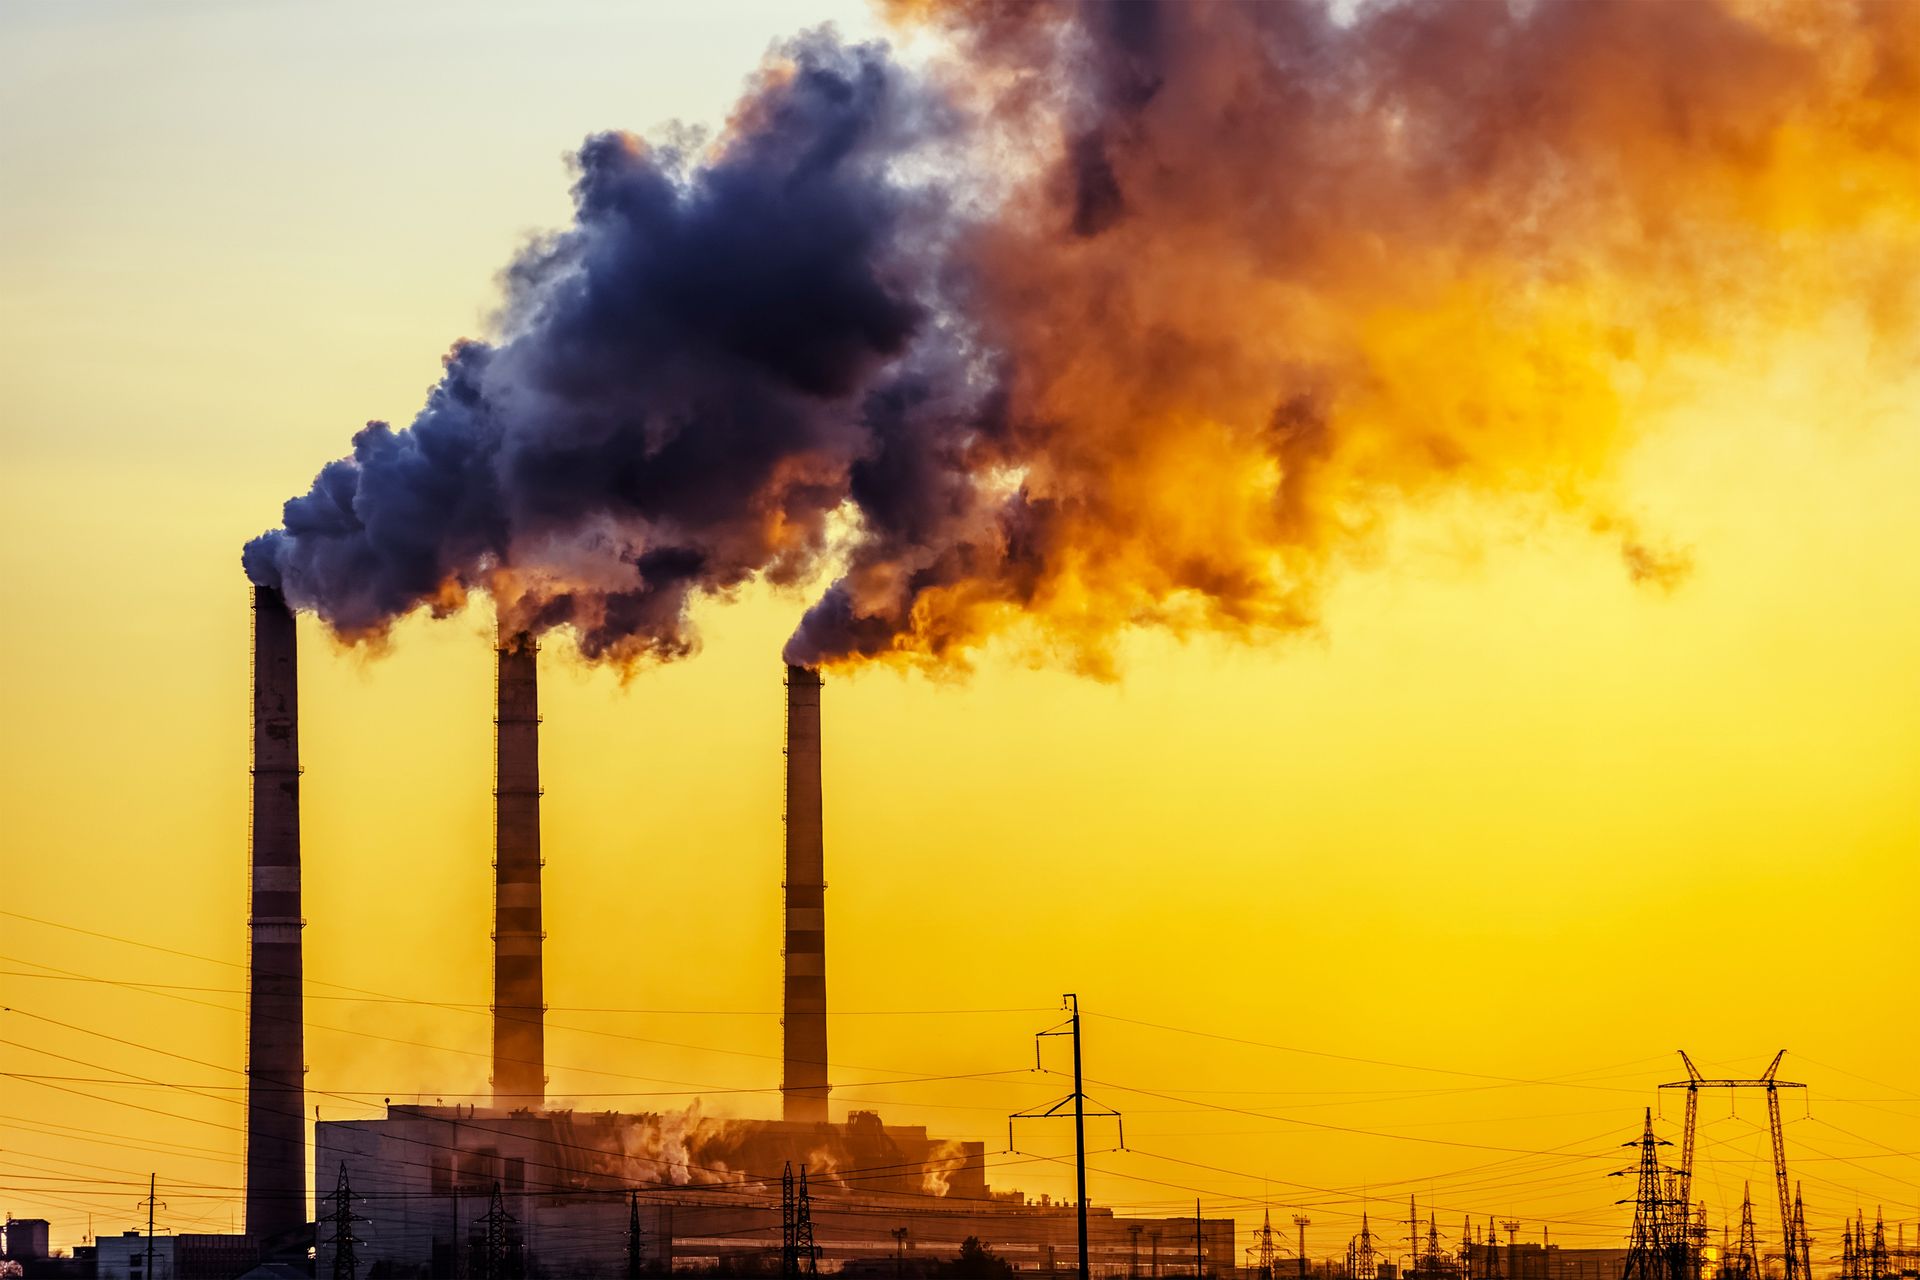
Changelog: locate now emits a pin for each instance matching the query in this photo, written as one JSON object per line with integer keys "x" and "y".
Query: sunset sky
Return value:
{"x": 1420, "y": 896}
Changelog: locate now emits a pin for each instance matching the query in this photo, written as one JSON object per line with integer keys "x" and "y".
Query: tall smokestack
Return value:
{"x": 803, "y": 1089}
{"x": 519, "y": 1009}
{"x": 276, "y": 1088}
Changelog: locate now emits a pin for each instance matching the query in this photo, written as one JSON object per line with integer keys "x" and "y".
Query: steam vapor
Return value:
{"x": 1116, "y": 315}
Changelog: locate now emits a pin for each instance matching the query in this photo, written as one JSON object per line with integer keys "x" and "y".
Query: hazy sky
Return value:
{"x": 1453, "y": 874}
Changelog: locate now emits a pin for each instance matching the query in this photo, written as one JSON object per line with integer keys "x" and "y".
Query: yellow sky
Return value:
{"x": 1505, "y": 817}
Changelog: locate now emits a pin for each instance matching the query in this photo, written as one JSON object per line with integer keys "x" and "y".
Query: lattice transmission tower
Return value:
{"x": 798, "y": 1255}
{"x": 1263, "y": 1250}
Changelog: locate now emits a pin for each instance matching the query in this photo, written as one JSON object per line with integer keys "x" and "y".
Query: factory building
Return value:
{"x": 25, "y": 1239}
{"x": 134, "y": 1255}
{"x": 1526, "y": 1260}
{"x": 705, "y": 1192}
{"x": 570, "y": 1193}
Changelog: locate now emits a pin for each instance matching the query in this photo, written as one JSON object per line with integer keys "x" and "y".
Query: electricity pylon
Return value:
{"x": 1361, "y": 1262}
{"x": 346, "y": 1262}
{"x": 1649, "y": 1252}
{"x": 1795, "y": 1250}
{"x": 1798, "y": 1240}
{"x": 1746, "y": 1257}
{"x": 1263, "y": 1249}
{"x": 497, "y": 1263}
{"x": 798, "y": 1256}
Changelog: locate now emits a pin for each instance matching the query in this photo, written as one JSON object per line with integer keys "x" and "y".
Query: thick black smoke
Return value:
{"x": 689, "y": 380}
{"x": 1123, "y": 314}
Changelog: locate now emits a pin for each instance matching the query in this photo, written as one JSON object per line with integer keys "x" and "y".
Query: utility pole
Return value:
{"x": 1133, "y": 1267}
{"x": 1413, "y": 1234}
{"x": 1155, "y": 1237}
{"x": 149, "y": 1202}
{"x": 1513, "y": 1249}
{"x": 1302, "y": 1222}
{"x": 1080, "y": 1136}
{"x": 1071, "y": 1027}
{"x": 1199, "y": 1257}
{"x": 899, "y": 1253}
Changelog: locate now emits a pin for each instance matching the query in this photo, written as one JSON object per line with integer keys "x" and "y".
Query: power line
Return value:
{"x": 1376, "y": 1062}
{"x": 481, "y": 1006}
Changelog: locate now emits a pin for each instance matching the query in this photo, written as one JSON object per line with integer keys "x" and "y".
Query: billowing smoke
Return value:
{"x": 691, "y": 1148}
{"x": 667, "y": 1148}
{"x": 1118, "y": 315}
{"x": 678, "y": 391}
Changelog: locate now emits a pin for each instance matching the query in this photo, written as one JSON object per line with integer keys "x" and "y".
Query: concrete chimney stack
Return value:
{"x": 276, "y": 1087}
{"x": 803, "y": 1089}
{"x": 519, "y": 1007}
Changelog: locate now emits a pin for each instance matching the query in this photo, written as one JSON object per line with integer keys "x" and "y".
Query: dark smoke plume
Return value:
{"x": 679, "y": 391}
{"x": 1125, "y": 314}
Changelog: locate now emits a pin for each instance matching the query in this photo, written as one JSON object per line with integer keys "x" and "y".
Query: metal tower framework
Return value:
{"x": 346, "y": 1260}
{"x": 798, "y": 1254}
{"x": 1795, "y": 1249}
{"x": 1745, "y": 1264}
{"x": 1263, "y": 1250}
{"x": 500, "y": 1258}
{"x": 1656, "y": 1238}
{"x": 1362, "y": 1262}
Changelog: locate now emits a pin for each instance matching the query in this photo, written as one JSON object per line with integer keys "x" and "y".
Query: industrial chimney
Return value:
{"x": 276, "y": 1088}
{"x": 519, "y": 1009}
{"x": 803, "y": 1089}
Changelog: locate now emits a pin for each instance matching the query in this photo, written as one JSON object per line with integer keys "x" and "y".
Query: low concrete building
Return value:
{"x": 436, "y": 1187}
{"x": 174, "y": 1257}
{"x": 132, "y": 1256}
{"x": 26, "y": 1239}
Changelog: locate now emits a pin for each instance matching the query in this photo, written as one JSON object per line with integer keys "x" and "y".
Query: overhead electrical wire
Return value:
{"x": 1544, "y": 1182}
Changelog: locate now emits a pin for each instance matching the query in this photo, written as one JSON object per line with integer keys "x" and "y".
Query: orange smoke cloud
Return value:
{"x": 1117, "y": 315}
{"x": 1260, "y": 277}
